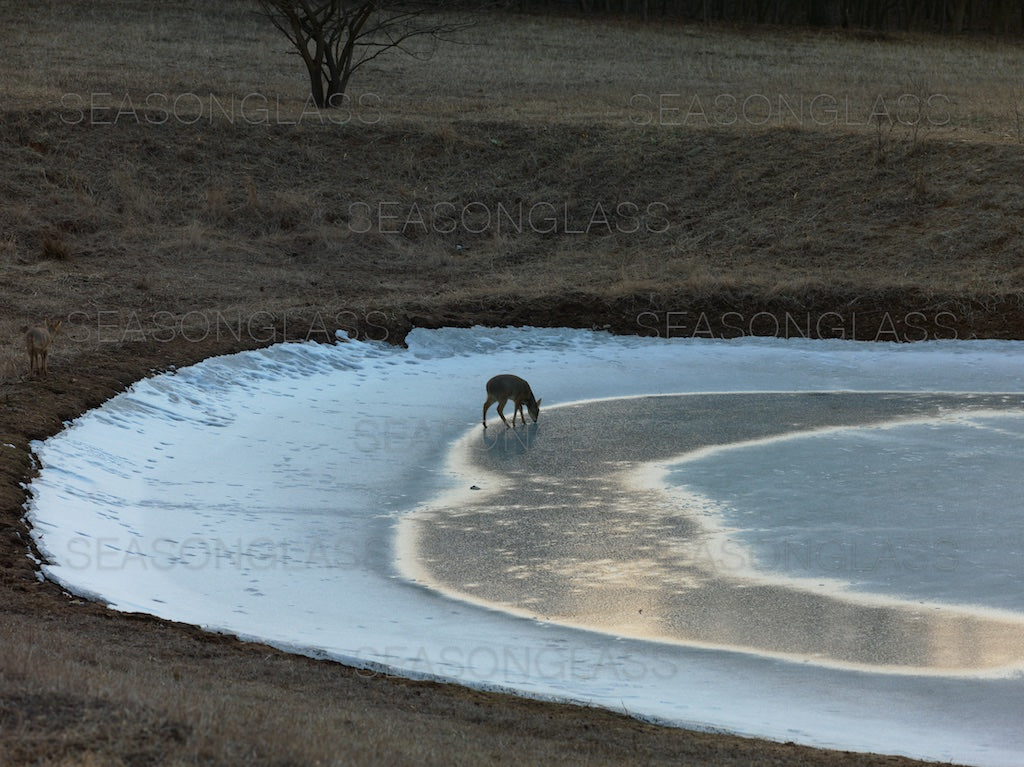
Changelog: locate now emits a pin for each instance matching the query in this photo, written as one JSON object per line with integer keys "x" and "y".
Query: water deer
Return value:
{"x": 37, "y": 342}
{"x": 505, "y": 387}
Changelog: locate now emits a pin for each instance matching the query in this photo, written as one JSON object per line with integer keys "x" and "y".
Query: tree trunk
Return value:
{"x": 824, "y": 13}
{"x": 316, "y": 88}
{"x": 998, "y": 13}
{"x": 959, "y": 12}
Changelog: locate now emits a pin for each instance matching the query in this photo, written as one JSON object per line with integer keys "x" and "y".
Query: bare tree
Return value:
{"x": 336, "y": 37}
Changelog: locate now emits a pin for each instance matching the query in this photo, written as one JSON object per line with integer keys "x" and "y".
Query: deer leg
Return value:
{"x": 501, "y": 411}
{"x": 490, "y": 401}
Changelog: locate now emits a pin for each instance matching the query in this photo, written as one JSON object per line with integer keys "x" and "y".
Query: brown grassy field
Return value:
{"x": 167, "y": 193}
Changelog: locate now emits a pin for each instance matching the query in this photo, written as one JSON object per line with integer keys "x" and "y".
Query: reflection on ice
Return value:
{"x": 590, "y": 543}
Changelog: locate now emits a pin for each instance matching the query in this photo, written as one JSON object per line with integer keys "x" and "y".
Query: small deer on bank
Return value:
{"x": 37, "y": 342}
{"x": 505, "y": 387}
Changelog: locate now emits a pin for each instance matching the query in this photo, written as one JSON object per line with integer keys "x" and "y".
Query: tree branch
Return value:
{"x": 336, "y": 37}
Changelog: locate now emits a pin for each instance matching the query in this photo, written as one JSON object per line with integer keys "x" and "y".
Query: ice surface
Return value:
{"x": 928, "y": 509}
{"x": 259, "y": 494}
{"x": 575, "y": 523}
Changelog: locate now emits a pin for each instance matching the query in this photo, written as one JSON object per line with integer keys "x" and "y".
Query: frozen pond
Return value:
{"x": 811, "y": 541}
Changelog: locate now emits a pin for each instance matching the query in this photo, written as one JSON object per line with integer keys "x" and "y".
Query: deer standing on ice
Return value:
{"x": 37, "y": 342}
{"x": 505, "y": 387}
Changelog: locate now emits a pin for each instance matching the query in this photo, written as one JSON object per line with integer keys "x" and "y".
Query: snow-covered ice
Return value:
{"x": 265, "y": 494}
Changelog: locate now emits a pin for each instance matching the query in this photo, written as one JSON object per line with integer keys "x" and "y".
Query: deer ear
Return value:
{"x": 538, "y": 403}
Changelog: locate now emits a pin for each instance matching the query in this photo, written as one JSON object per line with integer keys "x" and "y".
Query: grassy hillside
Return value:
{"x": 174, "y": 166}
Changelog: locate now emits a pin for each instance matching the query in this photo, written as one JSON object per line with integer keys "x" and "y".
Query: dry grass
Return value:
{"x": 94, "y": 694}
{"x": 757, "y": 157}
{"x": 666, "y": 168}
{"x": 197, "y": 60}
{"x": 402, "y": 220}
